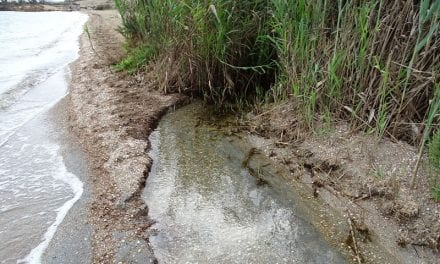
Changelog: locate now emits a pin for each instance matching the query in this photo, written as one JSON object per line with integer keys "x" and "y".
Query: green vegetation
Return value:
{"x": 86, "y": 30}
{"x": 136, "y": 58}
{"x": 436, "y": 193}
{"x": 434, "y": 151}
{"x": 434, "y": 160}
{"x": 223, "y": 50}
{"x": 374, "y": 63}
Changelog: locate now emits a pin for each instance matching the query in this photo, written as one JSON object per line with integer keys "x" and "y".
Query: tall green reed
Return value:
{"x": 374, "y": 63}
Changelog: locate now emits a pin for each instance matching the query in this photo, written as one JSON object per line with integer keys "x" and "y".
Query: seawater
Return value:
{"x": 36, "y": 188}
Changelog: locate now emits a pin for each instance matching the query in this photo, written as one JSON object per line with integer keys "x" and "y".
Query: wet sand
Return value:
{"x": 72, "y": 241}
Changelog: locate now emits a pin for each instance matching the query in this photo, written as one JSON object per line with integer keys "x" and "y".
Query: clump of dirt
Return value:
{"x": 358, "y": 175}
{"x": 113, "y": 114}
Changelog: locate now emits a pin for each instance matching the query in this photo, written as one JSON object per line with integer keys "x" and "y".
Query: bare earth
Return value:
{"x": 113, "y": 114}
{"x": 365, "y": 179}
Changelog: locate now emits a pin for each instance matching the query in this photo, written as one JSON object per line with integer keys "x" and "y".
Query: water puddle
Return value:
{"x": 209, "y": 209}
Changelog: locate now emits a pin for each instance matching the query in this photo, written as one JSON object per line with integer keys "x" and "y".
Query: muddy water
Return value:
{"x": 209, "y": 209}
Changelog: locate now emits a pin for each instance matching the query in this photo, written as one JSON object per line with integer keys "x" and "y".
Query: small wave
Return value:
{"x": 33, "y": 79}
{"x": 42, "y": 60}
{"x": 28, "y": 99}
{"x": 76, "y": 185}
{"x": 12, "y": 130}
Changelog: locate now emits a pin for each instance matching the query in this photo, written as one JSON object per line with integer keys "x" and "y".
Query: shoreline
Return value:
{"x": 71, "y": 241}
{"x": 74, "y": 5}
{"x": 36, "y": 125}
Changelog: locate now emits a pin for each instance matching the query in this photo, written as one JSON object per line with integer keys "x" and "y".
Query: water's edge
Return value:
{"x": 71, "y": 242}
{"x": 42, "y": 170}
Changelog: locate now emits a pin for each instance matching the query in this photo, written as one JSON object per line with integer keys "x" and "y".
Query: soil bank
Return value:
{"x": 364, "y": 178}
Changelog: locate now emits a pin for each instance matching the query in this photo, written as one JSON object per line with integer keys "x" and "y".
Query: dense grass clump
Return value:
{"x": 374, "y": 63}
{"x": 136, "y": 58}
{"x": 218, "y": 48}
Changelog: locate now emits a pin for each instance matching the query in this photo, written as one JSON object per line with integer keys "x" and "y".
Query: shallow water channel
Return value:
{"x": 208, "y": 208}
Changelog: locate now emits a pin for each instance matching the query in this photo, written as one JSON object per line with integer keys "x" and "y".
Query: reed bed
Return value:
{"x": 373, "y": 63}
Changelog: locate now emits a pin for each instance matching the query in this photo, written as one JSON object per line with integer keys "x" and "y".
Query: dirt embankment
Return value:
{"x": 365, "y": 179}
{"x": 113, "y": 114}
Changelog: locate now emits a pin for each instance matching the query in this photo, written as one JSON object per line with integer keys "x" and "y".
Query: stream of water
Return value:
{"x": 37, "y": 189}
{"x": 209, "y": 209}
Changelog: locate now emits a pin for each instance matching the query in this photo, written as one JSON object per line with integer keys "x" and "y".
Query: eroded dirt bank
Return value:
{"x": 113, "y": 114}
{"x": 365, "y": 178}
